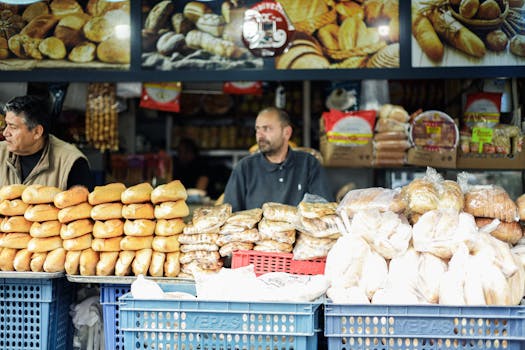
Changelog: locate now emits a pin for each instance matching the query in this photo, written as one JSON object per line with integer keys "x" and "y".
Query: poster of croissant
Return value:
{"x": 466, "y": 33}
{"x": 65, "y": 34}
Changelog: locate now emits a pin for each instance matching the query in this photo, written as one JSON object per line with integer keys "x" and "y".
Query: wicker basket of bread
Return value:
{"x": 482, "y": 16}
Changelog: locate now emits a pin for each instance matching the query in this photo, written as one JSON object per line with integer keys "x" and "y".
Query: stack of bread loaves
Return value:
{"x": 199, "y": 249}
{"x": 391, "y": 138}
{"x": 239, "y": 232}
{"x": 277, "y": 228}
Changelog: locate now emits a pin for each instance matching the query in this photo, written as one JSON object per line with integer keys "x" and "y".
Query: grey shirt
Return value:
{"x": 255, "y": 181}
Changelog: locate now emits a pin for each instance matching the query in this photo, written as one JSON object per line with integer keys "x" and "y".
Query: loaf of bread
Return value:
{"x": 197, "y": 39}
{"x": 83, "y": 52}
{"x": 137, "y": 194}
{"x": 490, "y": 202}
{"x": 170, "y": 192}
{"x": 98, "y": 29}
{"x": 13, "y": 207}
{"x": 211, "y": 23}
{"x": 75, "y": 195}
{"x": 15, "y": 224}
{"x": 22, "y": 261}
{"x": 40, "y": 26}
{"x": 156, "y": 267}
{"x": 75, "y": 212}
{"x": 172, "y": 264}
{"x": 114, "y": 50}
{"x": 510, "y": 232}
{"x": 141, "y": 263}
{"x": 69, "y": 29}
{"x": 16, "y": 240}
{"x": 193, "y": 10}
{"x": 138, "y": 211}
{"x": 62, "y": 8}
{"x": 105, "y": 194}
{"x": 106, "y": 263}
{"x": 45, "y": 229}
{"x": 107, "y": 211}
{"x": 37, "y": 261}
{"x": 159, "y": 16}
{"x": 40, "y": 194}
{"x": 135, "y": 243}
{"x": 88, "y": 262}
{"x": 165, "y": 244}
{"x": 53, "y": 48}
{"x": 108, "y": 229}
{"x": 41, "y": 212}
{"x": 170, "y": 227}
{"x": 123, "y": 264}
{"x": 78, "y": 243}
{"x": 71, "y": 265}
{"x": 100, "y": 7}
{"x": 76, "y": 229}
{"x": 106, "y": 244}
{"x": 45, "y": 244}
{"x": 55, "y": 260}
{"x": 171, "y": 210}
{"x": 12, "y": 191}
{"x": 34, "y": 10}
{"x": 7, "y": 258}
{"x": 421, "y": 196}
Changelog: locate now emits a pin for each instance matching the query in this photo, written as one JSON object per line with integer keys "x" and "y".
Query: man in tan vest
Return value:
{"x": 30, "y": 155}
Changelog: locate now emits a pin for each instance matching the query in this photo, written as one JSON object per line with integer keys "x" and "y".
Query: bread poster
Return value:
{"x": 65, "y": 34}
{"x": 461, "y": 33}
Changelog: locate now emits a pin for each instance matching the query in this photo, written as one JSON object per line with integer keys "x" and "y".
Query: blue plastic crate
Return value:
{"x": 34, "y": 314}
{"x": 109, "y": 294}
{"x": 202, "y": 324}
{"x": 423, "y": 327}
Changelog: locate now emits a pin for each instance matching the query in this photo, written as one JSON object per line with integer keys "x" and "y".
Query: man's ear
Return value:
{"x": 38, "y": 131}
{"x": 288, "y": 131}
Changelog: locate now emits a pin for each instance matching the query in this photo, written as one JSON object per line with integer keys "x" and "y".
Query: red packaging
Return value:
{"x": 161, "y": 96}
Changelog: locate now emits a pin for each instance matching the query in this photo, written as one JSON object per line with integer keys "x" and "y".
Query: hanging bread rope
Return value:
{"x": 102, "y": 117}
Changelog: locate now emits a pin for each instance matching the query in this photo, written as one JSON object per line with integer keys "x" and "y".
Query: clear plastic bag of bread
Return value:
{"x": 382, "y": 199}
{"x": 245, "y": 219}
{"x": 490, "y": 201}
{"x": 308, "y": 247}
{"x": 206, "y": 217}
{"x": 317, "y": 217}
{"x": 279, "y": 212}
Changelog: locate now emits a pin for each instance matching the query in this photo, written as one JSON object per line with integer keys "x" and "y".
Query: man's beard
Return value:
{"x": 266, "y": 148}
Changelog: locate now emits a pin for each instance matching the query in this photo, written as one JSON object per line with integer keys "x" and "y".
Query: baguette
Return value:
{"x": 107, "y": 193}
{"x": 172, "y": 264}
{"x": 55, "y": 260}
{"x": 76, "y": 229}
{"x": 106, "y": 264}
{"x": 12, "y": 191}
{"x": 22, "y": 261}
{"x": 37, "y": 261}
{"x": 13, "y": 207}
{"x": 41, "y": 212}
{"x": 40, "y": 194}
{"x": 427, "y": 37}
{"x": 156, "y": 267}
{"x": 46, "y": 244}
{"x": 88, "y": 262}
{"x": 71, "y": 264}
{"x": 106, "y": 244}
{"x": 7, "y": 258}
{"x": 78, "y": 243}
{"x": 75, "y": 195}
{"x": 123, "y": 264}
{"x": 108, "y": 229}
{"x": 197, "y": 39}
{"x": 140, "y": 265}
{"x": 16, "y": 240}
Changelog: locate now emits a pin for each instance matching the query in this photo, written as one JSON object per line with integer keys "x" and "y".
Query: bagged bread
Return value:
{"x": 316, "y": 210}
{"x": 137, "y": 194}
{"x": 75, "y": 195}
{"x": 205, "y": 218}
{"x": 208, "y": 247}
{"x": 269, "y": 245}
{"x": 321, "y": 227}
{"x": 450, "y": 196}
{"x": 245, "y": 218}
{"x": 228, "y": 248}
{"x": 246, "y": 236}
{"x": 210, "y": 238}
{"x": 510, "y": 232}
{"x": 269, "y": 226}
{"x": 490, "y": 201}
{"x": 170, "y": 192}
{"x": 203, "y": 256}
{"x": 421, "y": 196}
{"x": 383, "y": 199}
{"x": 307, "y": 247}
{"x": 13, "y": 207}
{"x": 279, "y": 212}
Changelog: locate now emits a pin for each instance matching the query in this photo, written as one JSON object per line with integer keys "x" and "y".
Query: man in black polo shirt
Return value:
{"x": 276, "y": 173}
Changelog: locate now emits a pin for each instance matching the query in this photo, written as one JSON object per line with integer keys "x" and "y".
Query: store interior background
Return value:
{"x": 223, "y": 125}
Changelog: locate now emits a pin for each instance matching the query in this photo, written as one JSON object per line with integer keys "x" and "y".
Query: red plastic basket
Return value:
{"x": 277, "y": 262}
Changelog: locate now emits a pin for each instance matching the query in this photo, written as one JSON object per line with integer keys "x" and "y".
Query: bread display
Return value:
{"x": 73, "y": 196}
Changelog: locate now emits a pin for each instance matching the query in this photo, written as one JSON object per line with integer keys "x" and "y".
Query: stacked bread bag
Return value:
{"x": 170, "y": 209}
{"x": 277, "y": 228}
{"x": 76, "y": 226}
{"x": 239, "y": 232}
{"x": 199, "y": 249}
{"x": 391, "y": 138}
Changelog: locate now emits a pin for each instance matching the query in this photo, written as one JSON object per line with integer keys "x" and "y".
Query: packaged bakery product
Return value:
{"x": 434, "y": 131}
{"x": 490, "y": 201}
{"x": 383, "y": 199}
{"x": 209, "y": 238}
{"x": 246, "y": 236}
{"x": 279, "y": 212}
{"x": 308, "y": 248}
{"x": 269, "y": 245}
{"x": 200, "y": 255}
{"x": 229, "y": 248}
{"x": 324, "y": 226}
{"x": 207, "y": 217}
{"x": 314, "y": 210}
{"x": 245, "y": 218}
{"x": 421, "y": 196}
{"x": 268, "y": 225}
{"x": 510, "y": 232}
{"x": 208, "y": 247}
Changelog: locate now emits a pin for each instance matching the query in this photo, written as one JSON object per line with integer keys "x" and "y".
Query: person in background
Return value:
{"x": 188, "y": 167}
{"x": 276, "y": 173}
{"x": 31, "y": 155}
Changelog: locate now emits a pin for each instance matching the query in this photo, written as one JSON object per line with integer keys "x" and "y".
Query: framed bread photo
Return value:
{"x": 468, "y": 33}
{"x": 66, "y": 34}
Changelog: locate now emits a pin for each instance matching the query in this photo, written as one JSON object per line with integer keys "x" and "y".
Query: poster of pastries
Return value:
{"x": 467, "y": 33}
{"x": 342, "y": 34}
{"x": 65, "y": 34}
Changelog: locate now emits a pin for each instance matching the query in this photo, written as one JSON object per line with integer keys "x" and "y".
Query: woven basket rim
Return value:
{"x": 482, "y": 23}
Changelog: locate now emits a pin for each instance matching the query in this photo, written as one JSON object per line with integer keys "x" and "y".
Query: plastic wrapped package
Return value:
{"x": 308, "y": 248}
{"x": 391, "y": 136}
{"x": 510, "y": 232}
{"x": 314, "y": 210}
{"x": 206, "y": 217}
{"x": 322, "y": 227}
{"x": 490, "y": 201}
{"x": 279, "y": 212}
{"x": 382, "y": 199}
{"x": 245, "y": 218}
{"x": 250, "y": 235}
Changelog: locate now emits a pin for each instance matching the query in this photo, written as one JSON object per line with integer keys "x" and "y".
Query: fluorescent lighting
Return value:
{"x": 19, "y": 2}
{"x": 122, "y": 31}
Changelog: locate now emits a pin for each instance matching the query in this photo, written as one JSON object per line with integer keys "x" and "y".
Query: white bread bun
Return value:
{"x": 107, "y": 211}
{"x": 7, "y": 258}
{"x": 75, "y": 212}
{"x": 37, "y": 261}
{"x": 13, "y": 207}
{"x": 41, "y": 212}
{"x": 108, "y": 229}
{"x": 78, "y": 243}
{"x": 167, "y": 244}
{"x": 156, "y": 267}
{"x": 12, "y": 191}
{"x": 106, "y": 194}
{"x": 46, "y": 244}
{"x": 123, "y": 265}
{"x": 106, "y": 244}
{"x": 76, "y": 229}
{"x": 45, "y": 229}
{"x": 15, "y": 224}
{"x": 140, "y": 227}
{"x": 136, "y": 243}
{"x": 88, "y": 262}
{"x": 22, "y": 261}
{"x": 16, "y": 240}
{"x": 55, "y": 260}
{"x": 137, "y": 194}
{"x": 172, "y": 264}
{"x": 172, "y": 210}
{"x": 170, "y": 192}
{"x": 140, "y": 264}
{"x": 106, "y": 263}
{"x": 40, "y": 194}
{"x": 169, "y": 227}
{"x": 75, "y": 195}
{"x": 138, "y": 211}
{"x": 71, "y": 265}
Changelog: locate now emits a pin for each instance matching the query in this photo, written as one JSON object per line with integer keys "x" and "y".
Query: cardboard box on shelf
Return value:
{"x": 345, "y": 156}
{"x": 490, "y": 161}
{"x": 442, "y": 159}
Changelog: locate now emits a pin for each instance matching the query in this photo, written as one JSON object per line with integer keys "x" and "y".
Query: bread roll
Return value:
{"x": 509, "y": 232}
{"x": 69, "y": 29}
{"x": 141, "y": 262}
{"x": 107, "y": 193}
{"x": 114, "y": 50}
{"x": 46, "y": 244}
{"x": 45, "y": 229}
{"x": 138, "y": 211}
{"x": 40, "y": 194}
{"x": 135, "y": 243}
{"x": 139, "y": 227}
{"x": 88, "y": 262}
{"x": 76, "y": 229}
{"x": 171, "y": 210}
{"x": 75, "y": 212}
{"x": 15, "y": 224}
{"x": 108, "y": 229}
{"x": 106, "y": 244}
{"x": 7, "y": 258}
{"x": 71, "y": 265}
{"x": 156, "y": 267}
{"x": 62, "y": 8}
{"x": 166, "y": 244}
{"x": 37, "y": 261}
{"x": 98, "y": 29}
{"x": 78, "y": 243}
{"x": 13, "y": 207}
{"x": 16, "y": 240}
{"x": 490, "y": 202}
{"x": 75, "y": 195}
{"x": 12, "y": 191}
{"x": 100, "y": 7}
{"x": 55, "y": 260}
{"x": 53, "y": 47}
{"x": 41, "y": 212}
{"x": 172, "y": 264}
{"x": 137, "y": 194}
{"x": 40, "y": 26}
{"x": 22, "y": 261}
{"x": 158, "y": 16}
{"x": 35, "y": 10}
{"x": 106, "y": 264}
{"x": 83, "y": 52}
{"x": 170, "y": 192}
{"x": 169, "y": 227}
{"x": 123, "y": 264}
{"x": 107, "y": 211}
